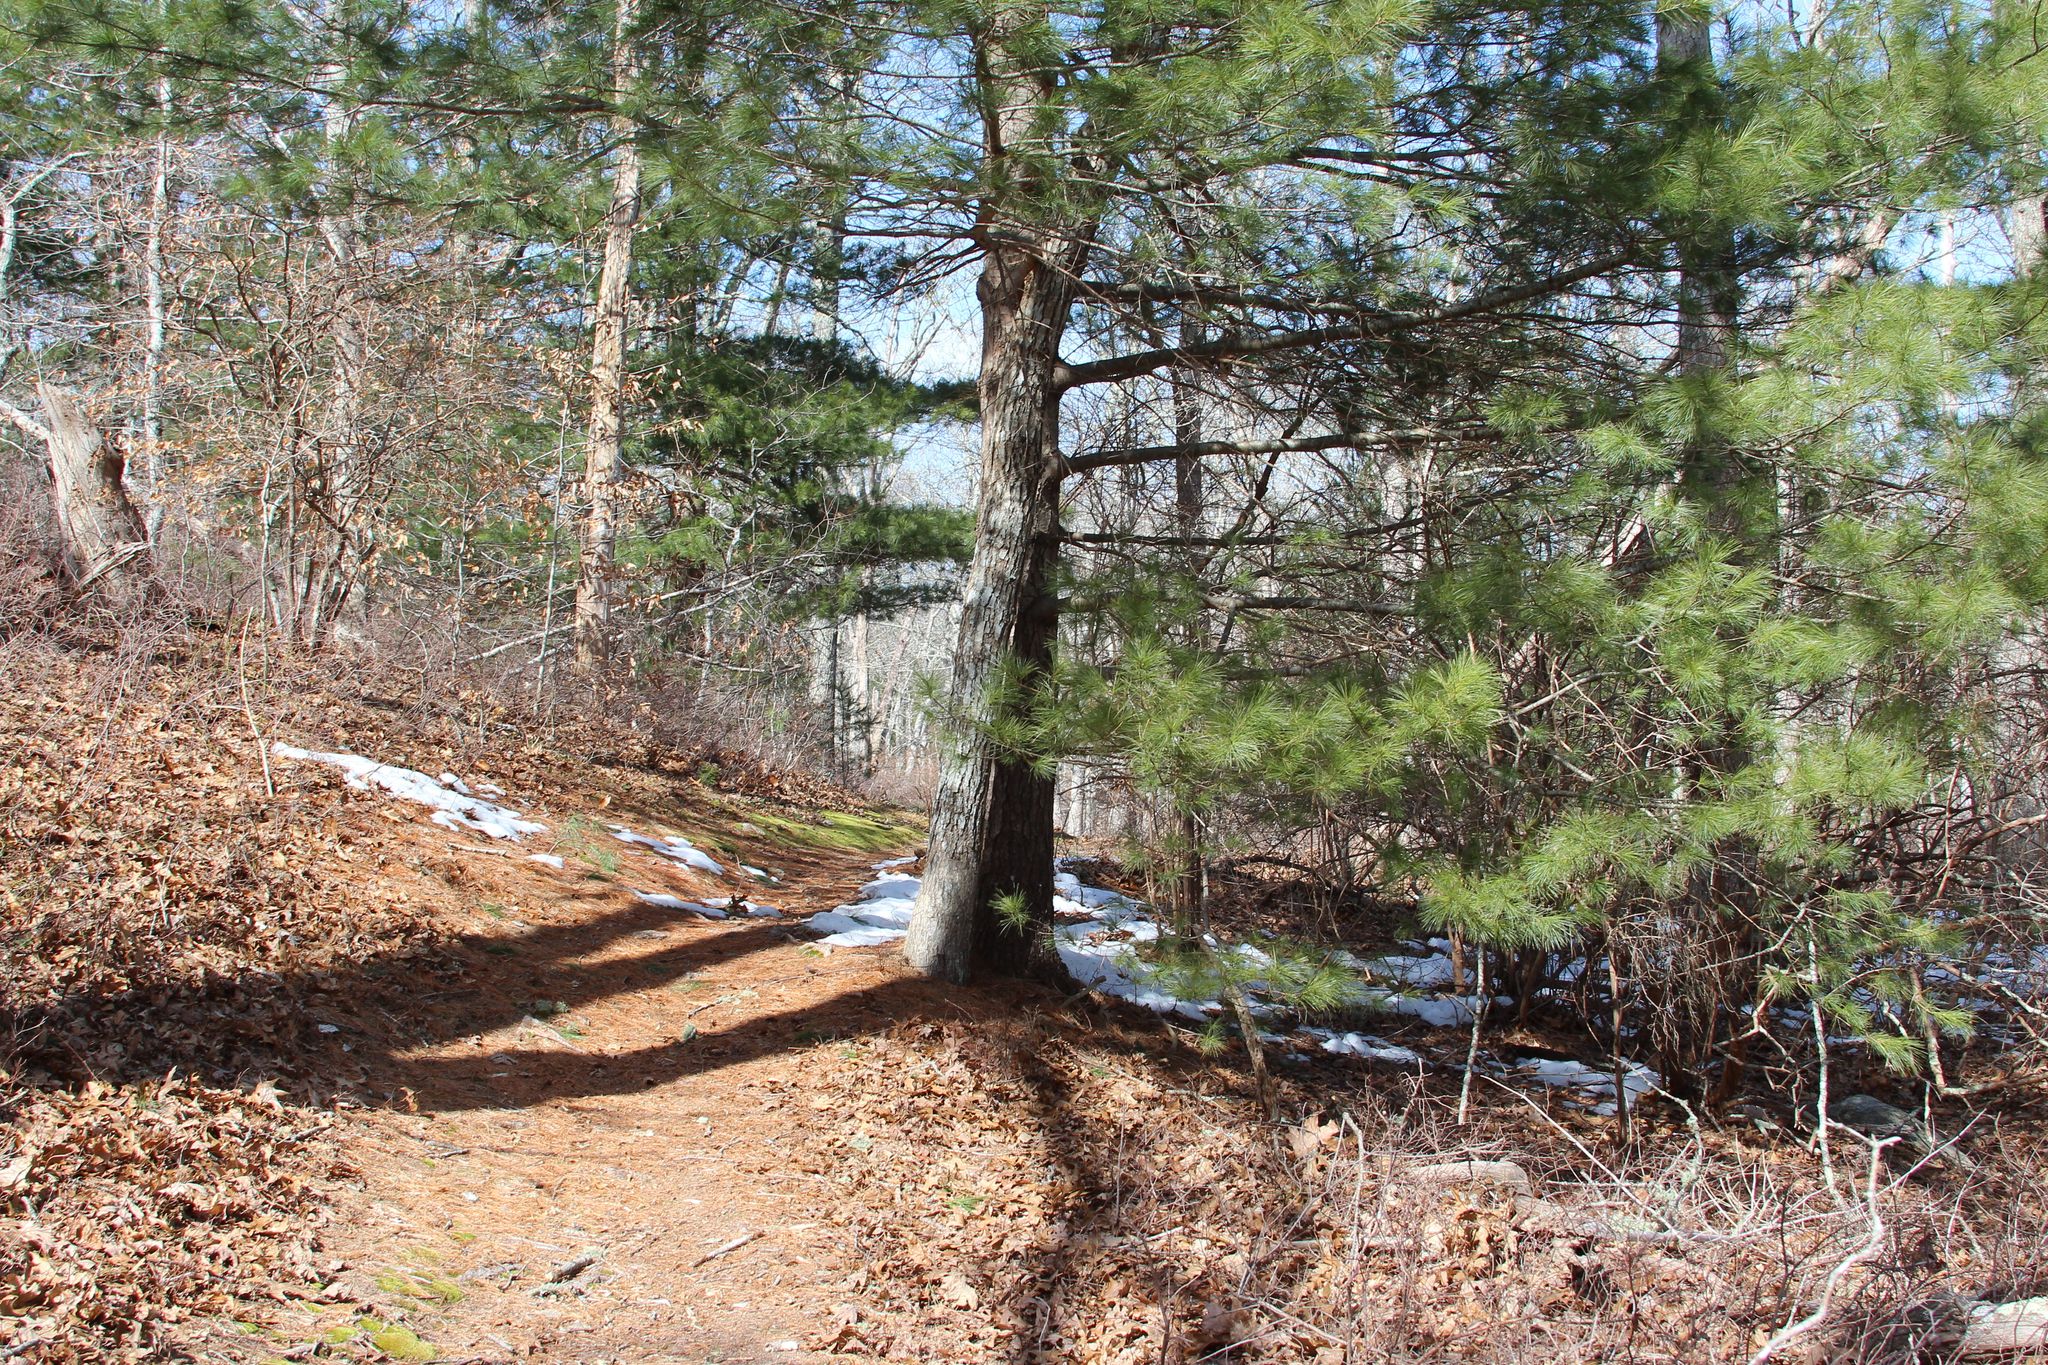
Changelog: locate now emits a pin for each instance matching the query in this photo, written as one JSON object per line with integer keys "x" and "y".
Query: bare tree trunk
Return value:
{"x": 604, "y": 458}
{"x": 1706, "y": 322}
{"x": 835, "y": 722}
{"x": 336, "y": 483}
{"x": 884, "y": 707}
{"x": 156, "y": 319}
{"x": 1705, "y": 949}
{"x": 860, "y": 723}
{"x": 2027, "y": 226}
{"x": 1191, "y": 890}
{"x": 106, "y": 545}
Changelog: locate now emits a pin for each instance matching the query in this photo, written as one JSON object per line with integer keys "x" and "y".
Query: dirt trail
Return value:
{"x": 609, "y": 1080}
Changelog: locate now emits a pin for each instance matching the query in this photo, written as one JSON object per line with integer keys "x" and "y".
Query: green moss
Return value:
{"x": 849, "y": 831}
{"x": 402, "y": 1343}
{"x": 420, "y": 1287}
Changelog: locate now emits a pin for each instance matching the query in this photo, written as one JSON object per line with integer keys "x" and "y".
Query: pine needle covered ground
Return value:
{"x": 293, "y": 1073}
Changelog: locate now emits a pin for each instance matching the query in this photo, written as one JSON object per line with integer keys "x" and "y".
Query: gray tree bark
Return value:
{"x": 2027, "y": 226}
{"x": 604, "y": 458}
{"x": 991, "y": 827}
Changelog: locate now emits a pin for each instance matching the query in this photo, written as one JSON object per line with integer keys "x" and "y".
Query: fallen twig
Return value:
{"x": 575, "y": 1266}
{"x": 734, "y": 1245}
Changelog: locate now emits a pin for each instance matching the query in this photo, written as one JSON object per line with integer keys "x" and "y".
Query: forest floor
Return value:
{"x": 295, "y": 1074}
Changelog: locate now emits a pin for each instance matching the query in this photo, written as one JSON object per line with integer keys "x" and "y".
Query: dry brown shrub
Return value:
{"x": 1051, "y": 1193}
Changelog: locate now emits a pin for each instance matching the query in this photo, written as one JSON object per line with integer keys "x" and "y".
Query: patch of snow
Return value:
{"x": 1098, "y": 897}
{"x": 835, "y": 922}
{"x": 1435, "y": 1011}
{"x": 881, "y": 915}
{"x": 451, "y": 808}
{"x": 1424, "y": 973}
{"x": 859, "y": 938}
{"x": 892, "y": 888}
{"x": 890, "y": 913}
{"x": 668, "y": 902}
{"x": 452, "y": 781}
{"x": 888, "y": 863}
{"x": 553, "y": 860}
{"x": 1560, "y": 1073}
{"x": 1368, "y": 1047}
{"x": 1108, "y": 968}
{"x": 764, "y": 912}
{"x": 678, "y": 848}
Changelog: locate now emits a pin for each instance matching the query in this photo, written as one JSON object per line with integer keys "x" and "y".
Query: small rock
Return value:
{"x": 1873, "y": 1118}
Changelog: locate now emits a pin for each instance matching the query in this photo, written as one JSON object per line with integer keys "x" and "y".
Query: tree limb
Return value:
{"x": 1103, "y": 459}
{"x": 1113, "y": 369}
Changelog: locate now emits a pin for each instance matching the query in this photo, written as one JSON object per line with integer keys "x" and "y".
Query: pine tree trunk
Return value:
{"x": 2027, "y": 226}
{"x": 106, "y": 545}
{"x": 604, "y": 459}
{"x": 1706, "y": 321}
{"x": 1187, "y": 503}
{"x": 991, "y": 828}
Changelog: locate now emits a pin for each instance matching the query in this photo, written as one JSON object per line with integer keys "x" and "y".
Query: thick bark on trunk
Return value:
{"x": 991, "y": 834}
{"x": 106, "y": 545}
{"x": 991, "y": 830}
{"x": 604, "y": 462}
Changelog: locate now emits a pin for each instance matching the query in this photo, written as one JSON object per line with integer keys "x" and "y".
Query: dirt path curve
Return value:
{"x": 584, "y": 1154}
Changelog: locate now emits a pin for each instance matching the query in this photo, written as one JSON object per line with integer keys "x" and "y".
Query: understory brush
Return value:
{"x": 1121, "y": 1208}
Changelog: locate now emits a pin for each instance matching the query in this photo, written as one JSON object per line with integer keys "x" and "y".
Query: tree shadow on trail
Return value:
{"x": 425, "y": 1027}
{"x": 498, "y": 1077}
{"x": 1106, "y": 1196}
{"x": 359, "y": 1029}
